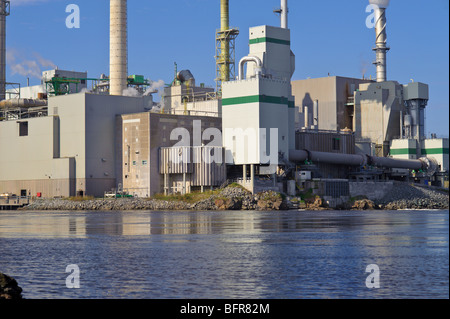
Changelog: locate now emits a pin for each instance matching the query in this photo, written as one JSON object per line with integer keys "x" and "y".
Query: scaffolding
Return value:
{"x": 225, "y": 56}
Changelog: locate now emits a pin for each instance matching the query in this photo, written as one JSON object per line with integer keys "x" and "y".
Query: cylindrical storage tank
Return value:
{"x": 118, "y": 47}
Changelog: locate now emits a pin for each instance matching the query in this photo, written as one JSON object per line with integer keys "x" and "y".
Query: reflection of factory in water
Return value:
{"x": 65, "y": 138}
{"x": 156, "y": 223}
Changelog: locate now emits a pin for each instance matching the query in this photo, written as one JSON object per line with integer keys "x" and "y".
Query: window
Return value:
{"x": 23, "y": 128}
{"x": 336, "y": 144}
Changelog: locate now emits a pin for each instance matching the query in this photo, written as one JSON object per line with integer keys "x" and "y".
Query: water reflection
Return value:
{"x": 83, "y": 224}
{"x": 226, "y": 254}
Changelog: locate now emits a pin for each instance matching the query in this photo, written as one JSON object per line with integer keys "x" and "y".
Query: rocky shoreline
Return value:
{"x": 9, "y": 289}
{"x": 403, "y": 196}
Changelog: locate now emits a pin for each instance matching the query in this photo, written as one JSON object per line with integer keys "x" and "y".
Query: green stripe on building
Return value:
{"x": 291, "y": 104}
{"x": 270, "y": 40}
{"x": 403, "y": 151}
{"x": 435, "y": 151}
{"x": 257, "y": 99}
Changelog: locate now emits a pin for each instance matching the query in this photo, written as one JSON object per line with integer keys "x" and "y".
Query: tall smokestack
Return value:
{"x": 118, "y": 55}
{"x": 4, "y": 11}
{"x": 225, "y": 44}
{"x": 284, "y": 14}
{"x": 381, "y": 47}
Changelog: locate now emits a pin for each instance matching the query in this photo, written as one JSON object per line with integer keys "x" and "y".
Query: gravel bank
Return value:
{"x": 230, "y": 198}
{"x": 408, "y": 196}
{"x": 403, "y": 196}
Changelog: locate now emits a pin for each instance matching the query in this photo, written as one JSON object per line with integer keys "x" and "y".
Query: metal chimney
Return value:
{"x": 380, "y": 44}
{"x": 118, "y": 55}
{"x": 4, "y": 11}
{"x": 283, "y": 11}
{"x": 284, "y": 14}
{"x": 225, "y": 45}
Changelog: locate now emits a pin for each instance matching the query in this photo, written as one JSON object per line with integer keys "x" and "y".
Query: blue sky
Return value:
{"x": 327, "y": 37}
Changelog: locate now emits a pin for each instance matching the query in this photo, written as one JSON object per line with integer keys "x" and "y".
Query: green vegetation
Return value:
{"x": 307, "y": 195}
{"x": 81, "y": 198}
{"x": 189, "y": 198}
{"x": 234, "y": 184}
{"x": 270, "y": 196}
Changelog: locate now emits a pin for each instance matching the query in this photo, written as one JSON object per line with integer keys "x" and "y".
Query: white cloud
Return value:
{"x": 26, "y": 2}
{"x": 31, "y": 67}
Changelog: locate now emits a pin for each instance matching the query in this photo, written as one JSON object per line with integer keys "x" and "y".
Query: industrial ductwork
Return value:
{"x": 426, "y": 164}
{"x": 186, "y": 76}
{"x": 22, "y": 103}
{"x": 249, "y": 59}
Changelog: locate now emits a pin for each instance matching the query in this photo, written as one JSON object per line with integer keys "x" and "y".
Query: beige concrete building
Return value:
{"x": 142, "y": 137}
{"x": 326, "y": 103}
{"x": 68, "y": 148}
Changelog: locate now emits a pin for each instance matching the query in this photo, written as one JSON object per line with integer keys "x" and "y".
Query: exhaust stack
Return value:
{"x": 283, "y": 11}
{"x": 284, "y": 14}
{"x": 225, "y": 45}
{"x": 4, "y": 11}
{"x": 118, "y": 58}
{"x": 381, "y": 47}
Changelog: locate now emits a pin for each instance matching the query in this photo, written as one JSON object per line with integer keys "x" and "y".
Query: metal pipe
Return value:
{"x": 316, "y": 114}
{"x": 325, "y": 157}
{"x": 359, "y": 160}
{"x": 306, "y": 114}
{"x": 380, "y": 44}
{"x": 245, "y": 60}
{"x": 396, "y": 163}
{"x": 284, "y": 14}
{"x": 118, "y": 47}
{"x": 14, "y": 103}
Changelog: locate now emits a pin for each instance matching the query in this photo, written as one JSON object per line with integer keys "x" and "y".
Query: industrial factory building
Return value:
{"x": 150, "y": 163}
{"x": 257, "y": 127}
{"x": 65, "y": 147}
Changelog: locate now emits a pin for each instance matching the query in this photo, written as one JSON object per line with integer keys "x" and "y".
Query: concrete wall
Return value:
{"x": 332, "y": 93}
{"x": 372, "y": 190}
{"x": 377, "y": 111}
{"x": 32, "y": 162}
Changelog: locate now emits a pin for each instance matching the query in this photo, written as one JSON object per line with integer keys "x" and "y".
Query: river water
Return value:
{"x": 227, "y": 255}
